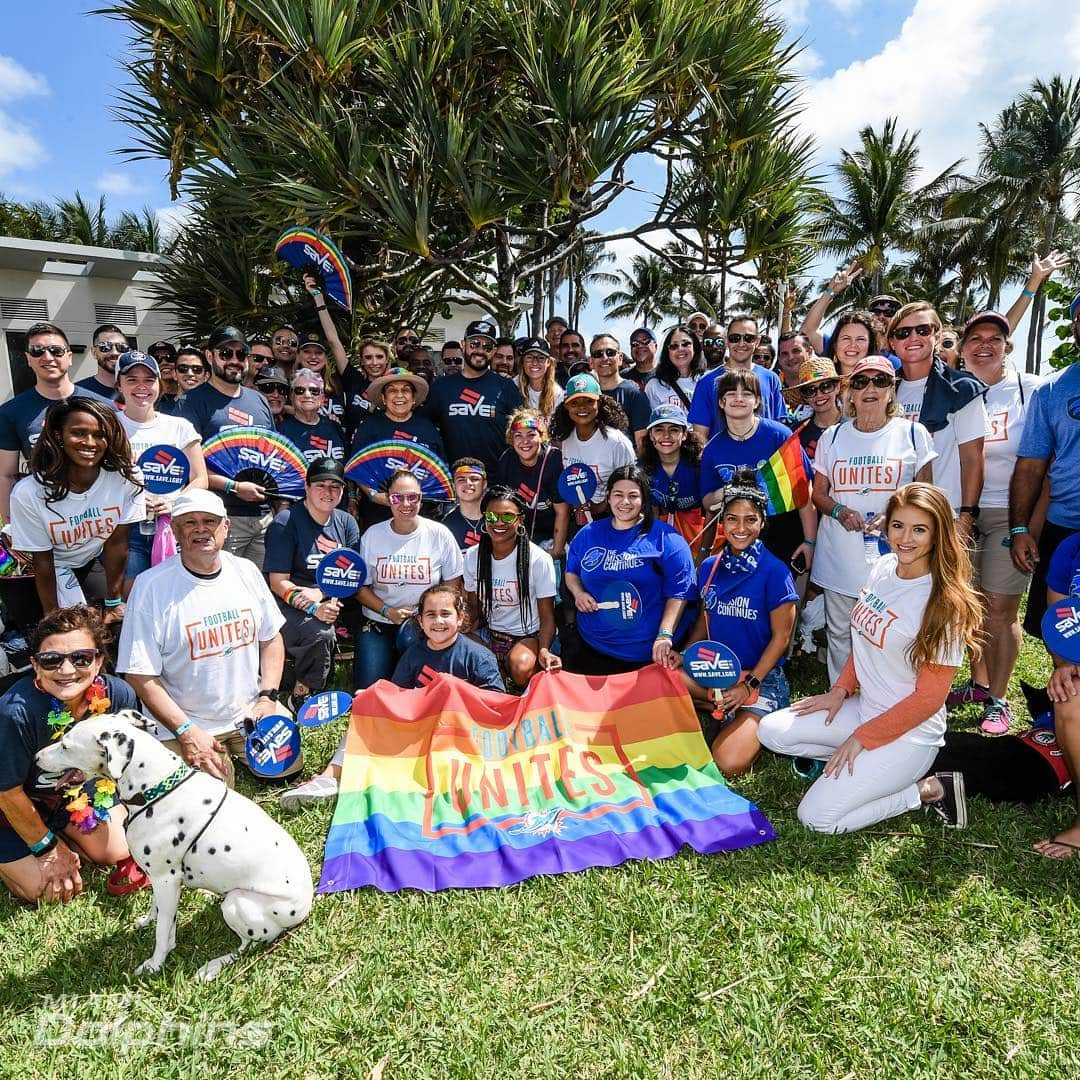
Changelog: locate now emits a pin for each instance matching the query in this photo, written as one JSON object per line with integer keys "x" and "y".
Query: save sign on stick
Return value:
{"x": 340, "y": 573}
{"x": 165, "y": 469}
{"x": 1061, "y": 629}
{"x": 712, "y": 665}
{"x": 577, "y": 484}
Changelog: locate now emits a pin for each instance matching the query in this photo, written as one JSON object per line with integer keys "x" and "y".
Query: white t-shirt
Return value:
{"x": 76, "y": 527}
{"x": 602, "y": 454}
{"x": 534, "y": 398}
{"x": 161, "y": 431}
{"x": 1006, "y": 408}
{"x": 505, "y": 616}
{"x": 659, "y": 393}
{"x": 864, "y": 469}
{"x": 884, "y": 622}
{"x": 400, "y": 567}
{"x": 201, "y": 636}
{"x": 963, "y": 426}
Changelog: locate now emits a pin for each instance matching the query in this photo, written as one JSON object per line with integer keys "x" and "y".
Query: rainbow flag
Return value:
{"x": 448, "y": 786}
{"x": 786, "y": 476}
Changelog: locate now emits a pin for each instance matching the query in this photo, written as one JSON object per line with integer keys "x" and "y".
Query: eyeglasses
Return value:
{"x": 697, "y": 326}
{"x": 827, "y": 386}
{"x": 597, "y": 353}
{"x": 881, "y": 381}
{"x": 948, "y": 343}
{"x": 680, "y": 345}
{"x": 291, "y": 342}
{"x": 163, "y": 358}
{"x": 507, "y": 517}
{"x": 734, "y": 339}
{"x": 762, "y": 357}
{"x": 258, "y": 358}
{"x": 189, "y": 369}
{"x": 452, "y": 361}
{"x": 407, "y": 341}
{"x": 482, "y": 344}
{"x": 304, "y": 390}
{"x": 408, "y": 498}
{"x": 640, "y": 342}
{"x": 902, "y": 333}
{"x": 80, "y": 658}
{"x": 274, "y": 388}
{"x": 885, "y": 310}
{"x": 38, "y": 351}
{"x": 112, "y": 346}
{"x": 719, "y": 341}
{"x": 233, "y": 354}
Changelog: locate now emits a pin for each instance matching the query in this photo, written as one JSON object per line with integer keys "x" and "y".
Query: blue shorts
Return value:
{"x": 13, "y": 847}
{"x": 774, "y": 694}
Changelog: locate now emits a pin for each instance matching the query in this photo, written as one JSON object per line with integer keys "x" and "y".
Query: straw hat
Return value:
{"x": 816, "y": 369}
{"x": 397, "y": 374}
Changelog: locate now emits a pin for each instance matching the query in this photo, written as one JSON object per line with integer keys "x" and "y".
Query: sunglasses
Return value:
{"x": 112, "y": 346}
{"x": 681, "y": 345}
{"x": 37, "y": 351}
{"x": 274, "y": 388}
{"x": 306, "y": 390}
{"x": 188, "y": 369}
{"x": 597, "y": 353}
{"x": 902, "y": 333}
{"x": 762, "y": 357}
{"x": 80, "y": 658}
{"x": 507, "y": 517}
{"x": 482, "y": 344}
{"x": 719, "y": 341}
{"x": 881, "y": 381}
{"x": 827, "y": 386}
{"x": 233, "y": 354}
{"x": 407, "y": 341}
{"x": 258, "y": 358}
{"x": 291, "y": 342}
{"x": 948, "y": 343}
{"x": 408, "y": 498}
{"x": 697, "y": 326}
{"x": 734, "y": 339}
{"x": 163, "y": 358}
{"x": 640, "y": 342}
{"x": 452, "y": 361}
{"x": 888, "y": 311}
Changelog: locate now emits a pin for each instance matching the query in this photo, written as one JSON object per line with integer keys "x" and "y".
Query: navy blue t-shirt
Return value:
{"x": 634, "y": 403}
{"x": 636, "y": 575}
{"x": 1063, "y": 574}
{"x": 22, "y": 418}
{"x": 322, "y": 439}
{"x": 96, "y": 386}
{"x": 211, "y": 411}
{"x": 466, "y": 659}
{"x": 540, "y": 513}
{"x": 358, "y": 406}
{"x": 472, "y": 414}
{"x": 466, "y": 532}
{"x": 296, "y": 542}
{"x": 378, "y": 427}
{"x": 24, "y": 729}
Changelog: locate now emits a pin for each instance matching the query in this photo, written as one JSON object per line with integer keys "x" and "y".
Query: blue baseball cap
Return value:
{"x": 133, "y": 358}
{"x": 583, "y": 385}
{"x": 643, "y": 330}
{"x": 667, "y": 414}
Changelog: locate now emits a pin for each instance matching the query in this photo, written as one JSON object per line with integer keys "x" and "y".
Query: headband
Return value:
{"x": 470, "y": 470}
{"x": 527, "y": 423}
{"x": 751, "y": 493}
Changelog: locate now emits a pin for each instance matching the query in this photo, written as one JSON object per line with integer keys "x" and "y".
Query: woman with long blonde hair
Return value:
{"x": 536, "y": 381}
{"x": 914, "y": 617}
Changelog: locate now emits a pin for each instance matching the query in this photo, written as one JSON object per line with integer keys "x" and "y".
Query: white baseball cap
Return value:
{"x": 198, "y": 501}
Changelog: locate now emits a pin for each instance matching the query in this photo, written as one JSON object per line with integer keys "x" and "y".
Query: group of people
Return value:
{"x": 937, "y": 498}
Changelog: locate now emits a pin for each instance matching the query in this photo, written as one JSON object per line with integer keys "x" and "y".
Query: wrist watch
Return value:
{"x": 972, "y": 510}
{"x": 271, "y": 694}
{"x": 753, "y": 682}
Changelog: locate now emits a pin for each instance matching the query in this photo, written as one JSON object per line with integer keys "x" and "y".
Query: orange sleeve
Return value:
{"x": 847, "y": 679}
{"x": 931, "y": 685}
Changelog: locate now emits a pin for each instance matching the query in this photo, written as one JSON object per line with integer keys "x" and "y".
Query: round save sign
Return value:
{"x": 619, "y": 605}
{"x": 273, "y": 746}
{"x": 165, "y": 469}
{"x": 712, "y": 665}
{"x": 577, "y": 484}
{"x": 323, "y": 708}
{"x": 340, "y": 573}
{"x": 1061, "y": 629}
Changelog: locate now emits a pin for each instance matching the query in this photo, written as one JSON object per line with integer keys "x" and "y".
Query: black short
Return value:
{"x": 1052, "y": 536}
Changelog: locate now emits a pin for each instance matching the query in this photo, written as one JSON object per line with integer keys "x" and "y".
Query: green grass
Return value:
{"x": 906, "y": 950}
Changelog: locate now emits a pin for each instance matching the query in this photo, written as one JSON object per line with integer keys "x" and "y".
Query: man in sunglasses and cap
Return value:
{"x": 164, "y": 352}
{"x": 108, "y": 343}
{"x": 643, "y": 357}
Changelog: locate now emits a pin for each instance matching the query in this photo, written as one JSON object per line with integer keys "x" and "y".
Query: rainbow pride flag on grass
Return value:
{"x": 449, "y": 786}
{"x": 786, "y": 476}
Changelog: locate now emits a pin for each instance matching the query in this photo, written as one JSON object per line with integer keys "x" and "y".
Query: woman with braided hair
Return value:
{"x": 510, "y": 585}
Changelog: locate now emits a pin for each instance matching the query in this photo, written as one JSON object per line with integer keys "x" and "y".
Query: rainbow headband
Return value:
{"x": 470, "y": 470}
{"x": 527, "y": 423}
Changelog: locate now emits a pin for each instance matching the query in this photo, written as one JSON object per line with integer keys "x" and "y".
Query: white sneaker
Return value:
{"x": 316, "y": 790}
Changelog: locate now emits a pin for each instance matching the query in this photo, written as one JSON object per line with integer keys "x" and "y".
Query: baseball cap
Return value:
{"x": 133, "y": 358}
{"x": 325, "y": 468}
{"x": 482, "y": 328}
{"x": 885, "y": 298}
{"x": 874, "y": 363}
{"x": 994, "y": 317}
{"x": 220, "y": 334}
{"x": 311, "y": 338}
{"x": 556, "y": 320}
{"x": 272, "y": 377}
{"x": 535, "y": 344}
{"x": 198, "y": 501}
{"x": 667, "y": 414}
{"x": 163, "y": 346}
{"x": 643, "y": 330}
{"x": 583, "y": 385}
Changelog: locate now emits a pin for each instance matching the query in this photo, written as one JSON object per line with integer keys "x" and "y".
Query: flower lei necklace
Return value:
{"x": 89, "y": 803}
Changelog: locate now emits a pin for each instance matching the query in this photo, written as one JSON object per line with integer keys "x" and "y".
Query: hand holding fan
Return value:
{"x": 260, "y": 456}
{"x": 373, "y": 466}
{"x": 306, "y": 249}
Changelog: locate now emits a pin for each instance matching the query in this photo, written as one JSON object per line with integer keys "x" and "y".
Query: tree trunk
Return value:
{"x": 1038, "y": 305}
{"x": 723, "y": 284}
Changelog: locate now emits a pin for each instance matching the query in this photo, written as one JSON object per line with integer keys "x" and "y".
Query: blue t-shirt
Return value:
{"x": 296, "y": 542}
{"x": 1052, "y": 431}
{"x": 682, "y": 491}
{"x": 466, "y": 659}
{"x": 1063, "y": 575}
{"x": 322, "y": 439}
{"x": 705, "y": 407}
{"x": 24, "y": 729}
{"x": 634, "y": 403}
{"x": 738, "y": 604}
{"x": 96, "y": 386}
{"x": 636, "y": 574}
{"x": 211, "y": 411}
{"x": 22, "y": 418}
{"x": 378, "y": 427}
{"x": 472, "y": 414}
{"x": 723, "y": 455}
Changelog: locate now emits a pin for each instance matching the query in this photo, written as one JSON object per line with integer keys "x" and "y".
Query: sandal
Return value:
{"x": 127, "y": 878}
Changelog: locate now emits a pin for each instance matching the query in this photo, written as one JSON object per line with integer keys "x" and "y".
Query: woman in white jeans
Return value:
{"x": 910, "y": 625}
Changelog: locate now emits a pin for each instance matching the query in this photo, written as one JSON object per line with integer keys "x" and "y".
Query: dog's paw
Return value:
{"x": 212, "y": 968}
{"x": 148, "y": 967}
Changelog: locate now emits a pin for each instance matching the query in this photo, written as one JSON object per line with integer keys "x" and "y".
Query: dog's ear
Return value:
{"x": 118, "y": 746}
{"x": 139, "y": 720}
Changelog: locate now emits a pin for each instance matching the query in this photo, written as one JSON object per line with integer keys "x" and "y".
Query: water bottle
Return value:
{"x": 871, "y": 545}
{"x": 148, "y": 525}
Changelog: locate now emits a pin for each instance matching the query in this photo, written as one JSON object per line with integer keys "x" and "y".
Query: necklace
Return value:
{"x": 749, "y": 434}
{"x": 60, "y": 717}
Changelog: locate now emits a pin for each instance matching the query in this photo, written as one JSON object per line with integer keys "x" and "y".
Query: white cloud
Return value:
{"x": 118, "y": 183}
{"x": 173, "y": 218}
{"x": 793, "y": 12}
{"x": 18, "y": 144}
{"x": 16, "y": 81}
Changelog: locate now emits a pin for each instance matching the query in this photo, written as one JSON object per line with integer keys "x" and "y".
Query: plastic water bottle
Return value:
{"x": 148, "y": 525}
{"x": 871, "y": 546}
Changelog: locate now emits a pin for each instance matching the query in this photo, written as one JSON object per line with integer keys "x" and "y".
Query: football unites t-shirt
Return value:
{"x": 661, "y": 393}
{"x": 201, "y": 637}
{"x": 884, "y": 623}
{"x": 538, "y": 486}
{"x": 864, "y": 470}
{"x": 636, "y": 575}
{"x": 505, "y": 618}
{"x": 22, "y": 418}
{"x": 401, "y": 566}
{"x": 603, "y": 453}
{"x": 964, "y": 425}
{"x": 1006, "y": 414}
{"x": 296, "y": 543}
{"x": 472, "y": 414}
{"x": 322, "y": 439}
{"x": 1052, "y": 433}
{"x": 705, "y": 407}
{"x": 465, "y": 658}
{"x": 738, "y": 602}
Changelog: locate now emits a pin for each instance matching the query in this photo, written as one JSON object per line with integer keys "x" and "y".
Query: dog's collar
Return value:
{"x": 163, "y": 787}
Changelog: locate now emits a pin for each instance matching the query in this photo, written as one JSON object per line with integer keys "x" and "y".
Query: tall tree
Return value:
{"x": 646, "y": 292}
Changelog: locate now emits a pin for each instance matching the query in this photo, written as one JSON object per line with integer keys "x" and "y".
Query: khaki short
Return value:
{"x": 992, "y": 562}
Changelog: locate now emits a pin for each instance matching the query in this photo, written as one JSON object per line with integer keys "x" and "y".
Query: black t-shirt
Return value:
{"x": 379, "y": 427}
{"x": 635, "y": 404}
{"x": 358, "y": 407}
{"x": 472, "y": 414}
{"x": 321, "y": 439}
{"x": 96, "y": 386}
{"x": 23, "y": 417}
{"x": 296, "y": 542}
{"x": 808, "y": 435}
{"x": 466, "y": 532}
{"x": 538, "y": 485}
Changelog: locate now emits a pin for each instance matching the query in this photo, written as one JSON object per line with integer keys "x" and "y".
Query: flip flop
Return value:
{"x": 1060, "y": 843}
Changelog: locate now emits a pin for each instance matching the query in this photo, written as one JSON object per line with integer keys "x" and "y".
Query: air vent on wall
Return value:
{"x": 13, "y": 308}
{"x": 124, "y": 314}
{"x": 433, "y": 333}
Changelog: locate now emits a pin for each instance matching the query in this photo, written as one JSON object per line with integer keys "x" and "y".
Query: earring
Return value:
{"x": 520, "y": 529}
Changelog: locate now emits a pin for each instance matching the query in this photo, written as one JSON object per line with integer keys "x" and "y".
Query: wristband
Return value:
{"x": 113, "y": 601}
{"x": 185, "y": 727}
{"x": 384, "y": 609}
{"x": 316, "y": 292}
{"x": 972, "y": 510}
{"x": 1027, "y": 292}
{"x": 311, "y": 609}
{"x": 834, "y": 513}
{"x": 45, "y": 844}
{"x": 1016, "y": 530}
{"x": 663, "y": 634}
{"x": 812, "y": 543}
{"x": 230, "y": 486}
{"x": 829, "y": 292}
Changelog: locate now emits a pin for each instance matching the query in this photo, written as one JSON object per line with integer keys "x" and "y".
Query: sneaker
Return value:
{"x": 952, "y": 806}
{"x": 317, "y": 789}
{"x": 967, "y": 694}
{"x": 806, "y": 768}
{"x": 997, "y": 717}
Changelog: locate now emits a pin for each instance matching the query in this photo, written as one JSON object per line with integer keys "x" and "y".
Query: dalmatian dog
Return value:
{"x": 185, "y": 827}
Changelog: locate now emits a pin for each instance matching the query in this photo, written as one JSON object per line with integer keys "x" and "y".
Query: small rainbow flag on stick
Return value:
{"x": 448, "y": 786}
{"x": 786, "y": 476}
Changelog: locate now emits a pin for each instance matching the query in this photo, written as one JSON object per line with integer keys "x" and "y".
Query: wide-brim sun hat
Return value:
{"x": 816, "y": 369}
{"x": 398, "y": 374}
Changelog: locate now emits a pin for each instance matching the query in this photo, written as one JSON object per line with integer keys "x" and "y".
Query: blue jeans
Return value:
{"x": 139, "y": 551}
{"x": 379, "y": 646}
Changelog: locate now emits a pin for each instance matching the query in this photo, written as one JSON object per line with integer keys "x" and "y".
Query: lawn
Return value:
{"x": 907, "y": 950}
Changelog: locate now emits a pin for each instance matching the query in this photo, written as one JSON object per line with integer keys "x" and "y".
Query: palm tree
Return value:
{"x": 645, "y": 293}
{"x": 584, "y": 269}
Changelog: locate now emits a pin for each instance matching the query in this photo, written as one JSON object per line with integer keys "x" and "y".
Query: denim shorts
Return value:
{"x": 139, "y": 551}
{"x": 774, "y": 694}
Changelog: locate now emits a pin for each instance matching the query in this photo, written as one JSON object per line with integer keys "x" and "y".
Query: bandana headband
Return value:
{"x": 527, "y": 423}
{"x": 470, "y": 470}
{"x": 754, "y": 495}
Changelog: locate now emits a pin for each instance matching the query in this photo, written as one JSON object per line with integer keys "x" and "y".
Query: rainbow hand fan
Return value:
{"x": 307, "y": 249}
{"x": 373, "y": 465}
{"x": 261, "y": 456}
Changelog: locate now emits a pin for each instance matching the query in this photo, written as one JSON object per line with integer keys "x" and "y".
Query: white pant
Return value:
{"x": 881, "y": 785}
{"x": 838, "y": 609}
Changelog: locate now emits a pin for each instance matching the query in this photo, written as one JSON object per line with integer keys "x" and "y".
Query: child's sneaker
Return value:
{"x": 968, "y": 693}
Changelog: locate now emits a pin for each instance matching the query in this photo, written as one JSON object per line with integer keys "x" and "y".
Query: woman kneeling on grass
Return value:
{"x": 910, "y": 626}
{"x": 748, "y": 601}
